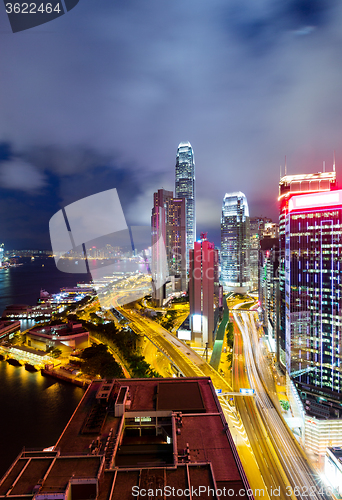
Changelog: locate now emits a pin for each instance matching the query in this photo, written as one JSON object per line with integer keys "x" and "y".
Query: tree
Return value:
{"x": 95, "y": 318}
{"x": 230, "y": 334}
{"x": 284, "y": 404}
{"x": 17, "y": 339}
{"x": 98, "y": 361}
{"x": 230, "y": 357}
{"x": 72, "y": 317}
{"x": 55, "y": 353}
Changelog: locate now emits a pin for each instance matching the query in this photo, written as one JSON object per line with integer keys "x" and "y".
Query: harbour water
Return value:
{"x": 22, "y": 284}
{"x": 34, "y": 408}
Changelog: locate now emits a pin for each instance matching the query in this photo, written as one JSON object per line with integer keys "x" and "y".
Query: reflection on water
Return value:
{"x": 22, "y": 284}
{"x": 34, "y": 410}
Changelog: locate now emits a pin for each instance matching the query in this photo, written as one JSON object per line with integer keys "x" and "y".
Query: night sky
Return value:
{"x": 101, "y": 97}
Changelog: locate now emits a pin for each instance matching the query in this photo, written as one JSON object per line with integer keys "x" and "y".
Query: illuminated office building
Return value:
{"x": 269, "y": 291}
{"x": 185, "y": 188}
{"x": 289, "y": 186}
{"x": 257, "y": 227}
{"x": 168, "y": 244}
{"x": 235, "y": 242}
{"x": 311, "y": 255}
{"x": 176, "y": 247}
{"x": 204, "y": 292}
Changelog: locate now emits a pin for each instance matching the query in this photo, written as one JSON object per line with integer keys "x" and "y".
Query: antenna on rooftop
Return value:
{"x": 285, "y": 165}
{"x": 323, "y": 166}
{"x": 334, "y": 162}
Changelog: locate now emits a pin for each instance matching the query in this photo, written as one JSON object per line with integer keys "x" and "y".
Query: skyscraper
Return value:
{"x": 235, "y": 242}
{"x": 311, "y": 291}
{"x": 185, "y": 188}
{"x": 204, "y": 291}
{"x": 312, "y": 286}
{"x": 168, "y": 243}
{"x": 176, "y": 245}
{"x": 256, "y": 227}
{"x": 289, "y": 186}
{"x": 269, "y": 290}
{"x": 159, "y": 258}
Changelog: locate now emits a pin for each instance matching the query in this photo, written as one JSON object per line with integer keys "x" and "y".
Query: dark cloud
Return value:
{"x": 21, "y": 175}
{"x": 309, "y": 12}
{"x": 61, "y": 176}
{"x": 102, "y": 98}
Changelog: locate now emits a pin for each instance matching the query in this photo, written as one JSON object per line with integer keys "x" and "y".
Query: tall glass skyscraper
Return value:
{"x": 235, "y": 242}
{"x": 311, "y": 282}
{"x": 185, "y": 188}
{"x": 291, "y": 185}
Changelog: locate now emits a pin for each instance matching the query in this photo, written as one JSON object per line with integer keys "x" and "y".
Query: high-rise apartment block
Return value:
{"x": 260, "y": 227}
{"x": 185, "y": 188}
{"x": 269, "y": 290}
{"x": 204, "y": 292}
{"x": 235, "y": 242}
{"x": 168, "y": 243}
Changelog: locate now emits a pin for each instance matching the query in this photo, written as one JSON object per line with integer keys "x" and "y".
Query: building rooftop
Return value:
{"x": 318, "y": 181}
{"x": 126, "y": 433}
{"x": 6, "y": 326}
{"x": 62, "y": 330}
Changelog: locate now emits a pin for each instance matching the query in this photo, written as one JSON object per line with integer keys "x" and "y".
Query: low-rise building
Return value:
{"x": 9, "y": 328}
{"x": 66, "y": 336}
{"x": 24, "y": 311}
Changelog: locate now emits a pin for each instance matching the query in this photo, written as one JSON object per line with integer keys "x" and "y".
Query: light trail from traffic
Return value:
{"x": 271, "y": 470}
{"x": 305, "y": 482}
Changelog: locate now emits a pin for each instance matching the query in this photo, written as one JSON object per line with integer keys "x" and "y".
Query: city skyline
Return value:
{"x": 100, "y": 98}
{"x": 93, "y": 107}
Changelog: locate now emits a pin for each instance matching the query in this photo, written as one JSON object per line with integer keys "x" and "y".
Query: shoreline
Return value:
{"x": 66, "y": 378}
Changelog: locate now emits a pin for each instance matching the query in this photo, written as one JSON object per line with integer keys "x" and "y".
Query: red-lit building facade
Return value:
{"x": 205, "y": 293}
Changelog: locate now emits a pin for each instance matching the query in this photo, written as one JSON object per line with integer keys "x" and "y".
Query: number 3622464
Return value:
{"x": 31, "y": 8}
